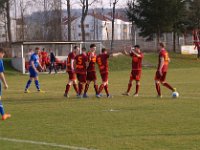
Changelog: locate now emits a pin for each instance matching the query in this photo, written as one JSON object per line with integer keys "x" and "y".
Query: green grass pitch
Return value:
{"x": 50, "y": 121}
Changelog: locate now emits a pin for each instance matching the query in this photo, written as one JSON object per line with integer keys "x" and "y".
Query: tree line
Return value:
{"x": 155, "y": 17}
{"x": 152, "y": 17}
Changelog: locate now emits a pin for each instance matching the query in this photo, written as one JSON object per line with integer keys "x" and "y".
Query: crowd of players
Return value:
{"x": 81, "y": 66}
{"x": 47, "y": 60}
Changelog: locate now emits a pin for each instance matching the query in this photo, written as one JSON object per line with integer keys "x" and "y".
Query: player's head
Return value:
{"x": 76, "y": 49}
{"x": 43, "y": 49}
{"x": 83, "y": 50}
{"x": 137, "y": 48}
{"x": 37, "y": 50}
{"x": 2, "y": 52}
{"x": 104, "y": 50}
{"x": 93, "y": 47}
{"x": 162, "y": 45}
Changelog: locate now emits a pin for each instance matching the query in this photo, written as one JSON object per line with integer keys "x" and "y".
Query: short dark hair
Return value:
{"x": 103, "y": 50}
{"x": 162, "y": 44}
{"x": 75, "y": 47}
{"x": 83, "y": 49}
{"x": 92, "y": 45}
{"x": 137, "y": 46}
{"x": 2, "y": 50}
{"x": 37, "y": 48}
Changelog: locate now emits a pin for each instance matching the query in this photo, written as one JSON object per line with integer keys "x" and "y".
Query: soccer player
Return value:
{"x": 34, "y": 64}
{"x": 91, "y": 72}
{"x": 160, "y": 77}
{"x": 197, "y": 42}
{"x": 102, "y": 61}
{"x": 81, "y": 70}
{"x": 136, "y": 72}
{"x": 52, "y": 63}
{"x": 44, "y": 58}
{"x": 71, "y": 71}
{"x": 2, "y": 78}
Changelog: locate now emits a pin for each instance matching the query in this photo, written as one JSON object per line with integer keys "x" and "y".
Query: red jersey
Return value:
{"x": 70, "y": 57}
{"x": 81, "y": 61}
{"x": 102, "y": 61}
{"x": 44, "y": 56}
{"x": 137, "y": 61}
{"x": 92, "y": 61}
{"x": 163, "y": 54}
{"x": 196, "y": 39}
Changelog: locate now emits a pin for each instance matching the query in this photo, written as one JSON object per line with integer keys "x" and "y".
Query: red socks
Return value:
{"x": 129, "y": 87}
{"x": 168, "y": 86}
{"x": 158, "y": 89}
{"x": 67, "y": 88}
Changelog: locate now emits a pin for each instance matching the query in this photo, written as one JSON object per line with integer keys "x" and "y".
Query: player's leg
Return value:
{"x": 137, "y": 87}
{"x": 157, "y": 83}
{"x": 2, "y": 112}
{"x": 106, "y": 89}
{"x": 86, "y": 88}
{"x": 28, "y": 84}
{"x": 130, "y": 83}
{"x": 72, "y": 78}
{"x": 164, "y": 83}
{"x": 50, "y": 67}
{"x": 95, "y": 86}
{"x": 37, "y": 84}
{"x": 137, "y": 79}
{"x": 104, "y": 85}
{"x": 82, "y": 81}
{"x": 67, "y": 88}
{"x": 32, "y": 74}
{"x": 75, "y": 85}
{"x": 198, "y": 55}
{"x": 94, "y": 79}
{"x": 54, "y": 67}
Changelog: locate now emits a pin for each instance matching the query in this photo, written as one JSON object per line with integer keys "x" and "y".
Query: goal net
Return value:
{"x": 21, "y": 53}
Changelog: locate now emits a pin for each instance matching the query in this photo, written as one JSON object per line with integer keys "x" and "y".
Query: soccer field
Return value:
{"x": 51, "y": 121}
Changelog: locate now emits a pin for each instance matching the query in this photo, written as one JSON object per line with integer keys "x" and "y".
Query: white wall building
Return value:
{"x": 98, "y": 27}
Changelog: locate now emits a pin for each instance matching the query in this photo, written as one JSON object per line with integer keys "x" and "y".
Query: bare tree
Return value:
{"x": 113, "y": 22}
{"x": 69, "y": 19}
{"x": 8, "y": 23}
{"x": 85, "y": 5}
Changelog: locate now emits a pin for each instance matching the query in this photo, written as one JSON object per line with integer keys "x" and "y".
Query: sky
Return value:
{"x": 75, "y": 4}
{"x": 105, "y": 4}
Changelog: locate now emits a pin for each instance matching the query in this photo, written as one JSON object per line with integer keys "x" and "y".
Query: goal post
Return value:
{"x": 20, "y": 51}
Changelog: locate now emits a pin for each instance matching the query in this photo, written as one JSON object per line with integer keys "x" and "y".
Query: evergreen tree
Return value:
{"x": 154, "y": 17}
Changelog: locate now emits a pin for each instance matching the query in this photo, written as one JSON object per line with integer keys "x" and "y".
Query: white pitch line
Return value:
{"x": 44, "y": 144}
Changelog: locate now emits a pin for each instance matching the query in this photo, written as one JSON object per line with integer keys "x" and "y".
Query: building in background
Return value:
{"x": 98, "y": 27}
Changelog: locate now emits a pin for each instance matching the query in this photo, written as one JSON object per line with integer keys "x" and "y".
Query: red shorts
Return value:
{"x": 91, "y": 76}
{"x": 135, "y": 75}
{"x": 72, "y": 75}
{"x": 159, "y": 77}
{"x": 104, "y": 76}
{"x": 81, "y": 77}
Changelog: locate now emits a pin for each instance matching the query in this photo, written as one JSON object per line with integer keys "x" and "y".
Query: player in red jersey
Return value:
{"x": 71, "y": 71}
{"x": 91, "y": 71}
{"x": 102, "y": 61}
{"x": 44, "y": 59}
{"x": 160, "y": 77}
{"x": 81, "y": 70}
{"x": 196, "y": 36}
{"x": 137, "y": 57}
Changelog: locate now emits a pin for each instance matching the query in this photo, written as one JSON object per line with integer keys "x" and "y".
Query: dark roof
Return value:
{"x": 65, "y": 20}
